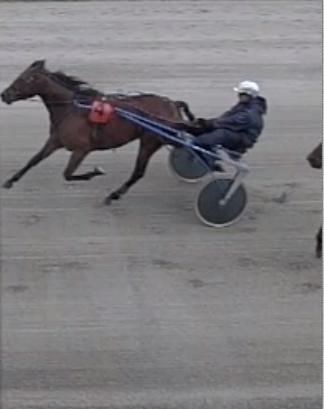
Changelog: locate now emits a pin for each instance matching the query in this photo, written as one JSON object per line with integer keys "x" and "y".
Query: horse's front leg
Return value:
{"x": 74, "y": 162}
{"x": 50, "y": 146}
{"x": 146, "y": 150}
{"x": 319, "y": 243}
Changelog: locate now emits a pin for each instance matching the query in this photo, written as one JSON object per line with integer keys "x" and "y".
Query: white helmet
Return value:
{"x": 248, "y": 87}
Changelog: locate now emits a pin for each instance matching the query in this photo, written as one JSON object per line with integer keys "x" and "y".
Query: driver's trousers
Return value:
{"x": 224, "y": 137}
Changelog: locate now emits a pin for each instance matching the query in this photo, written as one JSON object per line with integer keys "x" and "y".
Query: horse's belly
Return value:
{"x": 113, "y": 135}
{"x": 76, "y": 142}
{"x": 111, "y": 141}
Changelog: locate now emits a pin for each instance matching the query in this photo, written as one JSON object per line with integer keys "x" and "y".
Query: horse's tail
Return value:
{"x": 184, "y": 107}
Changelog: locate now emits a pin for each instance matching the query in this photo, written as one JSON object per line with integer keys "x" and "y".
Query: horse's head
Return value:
{"x": 315, "y": 157}
{"x": 26, "y": 85}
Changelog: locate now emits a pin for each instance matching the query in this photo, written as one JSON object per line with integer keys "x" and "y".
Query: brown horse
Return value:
{"x": 315, "y": 160}
{"x": 71, "y": 129}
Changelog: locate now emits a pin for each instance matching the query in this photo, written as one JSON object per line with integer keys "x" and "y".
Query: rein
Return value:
{"x": 65, "y": 101}
{"x": 114, "y": 100}
{"x": 124, "y": 103}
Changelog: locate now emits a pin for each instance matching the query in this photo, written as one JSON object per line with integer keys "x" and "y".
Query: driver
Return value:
{"x": 239, "y": 128}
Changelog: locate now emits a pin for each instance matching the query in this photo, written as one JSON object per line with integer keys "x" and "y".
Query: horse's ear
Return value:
{"x": 40, "y": 64}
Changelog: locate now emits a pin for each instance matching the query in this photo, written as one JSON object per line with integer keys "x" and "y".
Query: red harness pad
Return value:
{"x": 101, "y": 112}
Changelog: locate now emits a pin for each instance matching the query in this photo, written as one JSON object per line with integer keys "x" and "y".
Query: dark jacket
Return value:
{"x": 245, "y": 118}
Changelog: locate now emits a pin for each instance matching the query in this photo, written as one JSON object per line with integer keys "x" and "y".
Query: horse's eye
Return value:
{"x": 29, "y": 80}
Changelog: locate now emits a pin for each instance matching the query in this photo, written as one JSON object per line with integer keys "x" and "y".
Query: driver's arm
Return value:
{"x": 239, "y": 120}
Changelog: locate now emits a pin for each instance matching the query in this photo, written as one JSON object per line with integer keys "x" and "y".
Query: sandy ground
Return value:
{"x": 138, "y": 305}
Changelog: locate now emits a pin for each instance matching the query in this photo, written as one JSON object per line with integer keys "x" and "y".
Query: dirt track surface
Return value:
{"x": 138, "y": 305}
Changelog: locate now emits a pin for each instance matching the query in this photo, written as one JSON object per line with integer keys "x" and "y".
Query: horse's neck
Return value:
{"x": 57, "y": 99}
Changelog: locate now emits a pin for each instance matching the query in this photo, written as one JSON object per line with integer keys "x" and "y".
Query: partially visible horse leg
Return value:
{"x": 50, "y": 146}
{"x": 319, "y": 243}
{"x": 315, "y": 157}
{"x": 74, "y": 162}
{"x": 146, "y": 150}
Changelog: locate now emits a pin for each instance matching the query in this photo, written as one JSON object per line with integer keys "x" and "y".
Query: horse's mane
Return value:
{"x": 83, "y": 88}
{"x": 74, "y": 83}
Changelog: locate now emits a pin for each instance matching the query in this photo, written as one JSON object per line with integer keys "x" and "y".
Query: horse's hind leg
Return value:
{"x": 50, "y": 147}
{"x": 319, "y": 243}
{"x": 74, "y": 162}
{"x": 146, "y": 150}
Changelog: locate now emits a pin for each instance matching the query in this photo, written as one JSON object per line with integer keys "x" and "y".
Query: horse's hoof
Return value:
{"x": 8, "y": 184}
{"x": 111, "y": 197}
{"x": 107, "y": 201}
{"x": 98, "y": 171}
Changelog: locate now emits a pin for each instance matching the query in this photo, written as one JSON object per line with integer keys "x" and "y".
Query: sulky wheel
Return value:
{"x": 185, "y": 165}
{"x": 211, "y": 210}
